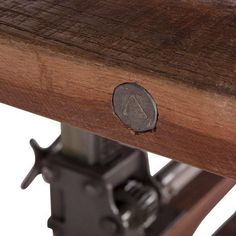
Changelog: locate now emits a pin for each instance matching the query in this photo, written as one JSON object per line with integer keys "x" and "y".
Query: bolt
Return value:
{"x": 135, "y": 107}
{"x": 93, "y": 189}
{"x": 110, "y": 226}
{"x": 48, "y": 175}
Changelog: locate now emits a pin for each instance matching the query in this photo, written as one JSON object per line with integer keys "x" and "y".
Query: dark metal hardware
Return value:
{"x": 135, "y": 107}
{"x": 116, "y": 198}
{"x": 104, "y": 188}
{"x": 41, "y": 155}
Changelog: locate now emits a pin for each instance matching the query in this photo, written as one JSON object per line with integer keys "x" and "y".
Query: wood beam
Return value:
{"x": 228, "y": 228}
{"x": 194, "y": 203}
{"x": 63, "y": 59}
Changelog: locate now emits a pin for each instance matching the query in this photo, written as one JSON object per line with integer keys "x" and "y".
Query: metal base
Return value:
{"x": 103, "y": 188}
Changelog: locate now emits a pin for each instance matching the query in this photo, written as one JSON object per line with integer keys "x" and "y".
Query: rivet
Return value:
{"x": 110, "y": 226}
{"x": 93, "y": 188}
{"x": 48, "y": 175}
{"x": 135, "y": 107}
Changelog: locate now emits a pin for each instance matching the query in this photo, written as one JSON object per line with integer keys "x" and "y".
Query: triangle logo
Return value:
{"x": 133, "y": 109}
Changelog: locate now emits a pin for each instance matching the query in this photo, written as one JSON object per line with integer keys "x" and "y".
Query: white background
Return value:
{"x": 26, "y": 212}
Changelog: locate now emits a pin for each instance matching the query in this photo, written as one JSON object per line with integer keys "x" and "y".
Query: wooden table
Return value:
{"x": 63, "y": 59}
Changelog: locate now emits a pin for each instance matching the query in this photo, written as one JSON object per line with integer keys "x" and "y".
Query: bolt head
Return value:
{"x": 135, "y": 107}
{"x": 48, "y": 175}
{"x": 93, "y": 189}
{"x": 110, "y": 226}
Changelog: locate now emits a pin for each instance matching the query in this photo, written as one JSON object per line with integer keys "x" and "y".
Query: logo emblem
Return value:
{"x": 135, "y": 107}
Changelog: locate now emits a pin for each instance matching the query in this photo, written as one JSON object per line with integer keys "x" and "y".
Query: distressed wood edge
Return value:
{"x": 81, "y": 55}
{"x": 46, "y": 48}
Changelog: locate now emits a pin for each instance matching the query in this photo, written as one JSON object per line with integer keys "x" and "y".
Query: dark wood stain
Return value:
{"x": 63, "y": 59}
{"x": 180, "y": 40}
{"x": 196, "y": 200}
{"x": 228, "y": 228}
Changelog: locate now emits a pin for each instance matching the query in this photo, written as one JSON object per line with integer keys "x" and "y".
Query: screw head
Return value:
{"x": 93, "y": 189}
{"x": 135, "y": 107}
{"x": 48, "y": 175}
{"x": 110, "y": 226}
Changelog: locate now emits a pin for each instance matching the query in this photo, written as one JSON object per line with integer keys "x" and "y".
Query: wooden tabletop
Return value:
{"x": 63, "y": 59}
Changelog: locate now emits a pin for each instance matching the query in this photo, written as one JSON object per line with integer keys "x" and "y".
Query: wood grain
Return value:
{"x": 228, "y": 228}
{"x": 63, "y": 59}
{"x": 196, "y": 201}
{"x": 184, "y": 212}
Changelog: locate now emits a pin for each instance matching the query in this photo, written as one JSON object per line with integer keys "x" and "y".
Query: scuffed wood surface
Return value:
{"x": 63, "y": 59}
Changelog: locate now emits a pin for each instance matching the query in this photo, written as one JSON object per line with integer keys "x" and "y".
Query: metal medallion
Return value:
{"x": 135, "y": 107}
